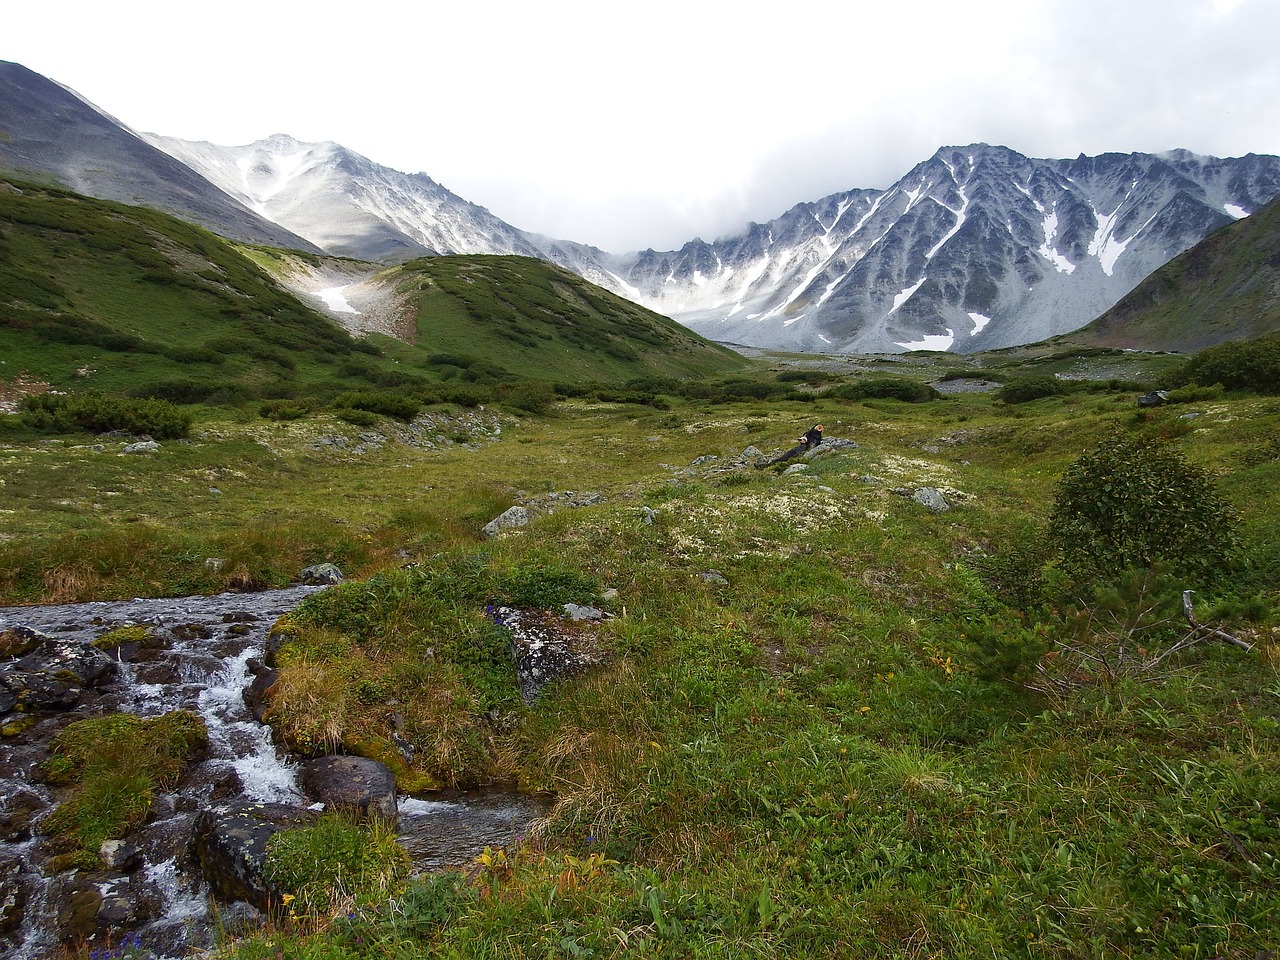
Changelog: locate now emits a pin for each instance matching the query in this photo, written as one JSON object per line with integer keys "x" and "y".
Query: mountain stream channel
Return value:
{"x": 198, "y": 659}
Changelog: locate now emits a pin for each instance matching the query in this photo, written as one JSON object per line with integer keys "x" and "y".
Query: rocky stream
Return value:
{"x": 198, "y": 654}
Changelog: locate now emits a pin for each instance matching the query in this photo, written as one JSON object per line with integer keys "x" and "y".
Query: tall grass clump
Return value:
{"x": 114, "y": 764}
{"x": 335, "y": 864}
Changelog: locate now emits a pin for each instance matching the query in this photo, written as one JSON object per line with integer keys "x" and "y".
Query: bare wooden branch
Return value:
{"x": 1208, "y": 631}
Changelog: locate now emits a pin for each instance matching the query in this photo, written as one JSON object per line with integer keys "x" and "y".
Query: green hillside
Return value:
{"x": 543, "y": 321}
{"x": 1225, "y": 288}
{"x": 123, "y": 299}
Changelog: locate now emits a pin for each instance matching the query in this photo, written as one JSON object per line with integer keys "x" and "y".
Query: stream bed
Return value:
{"x": 198, "y": 659}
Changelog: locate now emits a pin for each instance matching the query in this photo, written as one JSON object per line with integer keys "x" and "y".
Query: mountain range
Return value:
{"x": 978, "y": 247}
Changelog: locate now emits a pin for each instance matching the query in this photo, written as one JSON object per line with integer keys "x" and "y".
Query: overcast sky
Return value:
{"x": 648, "y": 124}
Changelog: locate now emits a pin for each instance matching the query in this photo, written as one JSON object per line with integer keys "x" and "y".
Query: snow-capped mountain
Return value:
{"x": 48, "y": 130}
{"x": 352, "y": 207}
{"x": 976, "y": 248}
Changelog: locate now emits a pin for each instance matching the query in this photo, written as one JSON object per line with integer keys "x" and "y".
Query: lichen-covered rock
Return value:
{"x": 931, "y": 499}
{"x": 13, "y": 894}
{"x": 510, "y": 519}
{"x": 232, "y": 847}
{"x": 544, "y": 648}
{"x": 18, "y": 641}
{"x": 322, "y": 574}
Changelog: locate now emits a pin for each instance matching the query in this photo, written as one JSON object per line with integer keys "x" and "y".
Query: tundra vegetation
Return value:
{"x": 880, "y": 731}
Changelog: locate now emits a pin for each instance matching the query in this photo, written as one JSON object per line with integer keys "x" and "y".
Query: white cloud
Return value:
{"x": 629, "y": 126}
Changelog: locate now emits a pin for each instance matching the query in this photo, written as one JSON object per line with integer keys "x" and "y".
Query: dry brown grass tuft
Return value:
{"x": 308, "y": 707}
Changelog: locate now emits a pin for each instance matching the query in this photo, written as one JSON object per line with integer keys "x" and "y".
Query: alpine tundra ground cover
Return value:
{"x": 825, "y": 721}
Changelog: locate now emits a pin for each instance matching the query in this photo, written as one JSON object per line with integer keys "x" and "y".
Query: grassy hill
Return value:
{"x": 1225, "y": 288}
{"x": 546, "y": 322}
{"x": 128, "y": 300}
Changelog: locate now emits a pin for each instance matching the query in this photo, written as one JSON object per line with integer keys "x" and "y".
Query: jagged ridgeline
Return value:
{"x": 543, "y": 321}
{"x": 130, "y": 300}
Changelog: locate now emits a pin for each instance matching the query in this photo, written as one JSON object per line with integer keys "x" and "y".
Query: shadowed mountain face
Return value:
{"x": 47, "y": 131}
{"x": 1227, "y": 287}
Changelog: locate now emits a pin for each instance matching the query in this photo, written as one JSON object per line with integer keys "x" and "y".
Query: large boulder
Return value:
{"x": 231, "y": 846}
{"x": 545, "y": 648}
{"x": 69, "y": 658}
{"x": 358, "y": 784}
{"x": 510, "y": 519}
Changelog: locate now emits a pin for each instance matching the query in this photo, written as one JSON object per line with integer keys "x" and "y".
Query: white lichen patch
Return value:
{"x": 739, "y": 526}
{"x": 916, "y": 471}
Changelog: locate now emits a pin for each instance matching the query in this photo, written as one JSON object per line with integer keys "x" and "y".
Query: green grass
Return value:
{"x": 822, "y": 758}
{"x": 113, "y": 765}
{"x": 541, "y": 321}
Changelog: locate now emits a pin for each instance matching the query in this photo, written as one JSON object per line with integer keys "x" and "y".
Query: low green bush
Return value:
{"x": 1132, "y": 503}
{"x": 94, "y": 412}
{"x": 1030, "y": 388}
{"x": 887, "y": 388}
{"x": 1248, "y": 365}
{"x": 385, "y": 403}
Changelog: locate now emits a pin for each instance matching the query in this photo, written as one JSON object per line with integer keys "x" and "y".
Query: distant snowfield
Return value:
{"x": 335, "y": 298}
{"x": 935, "y": 341}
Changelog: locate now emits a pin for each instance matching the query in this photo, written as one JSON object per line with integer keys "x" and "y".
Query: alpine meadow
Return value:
{"x": 991, "y": 671}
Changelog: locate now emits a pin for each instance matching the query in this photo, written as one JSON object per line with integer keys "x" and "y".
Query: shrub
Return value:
{"x": 1132, "y": 503}
{"x": 180, "y": 390}
{"x": 1031, "y": 388}
{"x": 530, "y": 396}
{"x": 1249, "y": 365}
{"x": 386, "y": 403}
{"x": 94, "y": 412}
{"x": 887, "y": 388}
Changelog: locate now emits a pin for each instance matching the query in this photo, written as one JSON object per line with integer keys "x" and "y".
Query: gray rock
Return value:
{"x": 929, "y": 497}
{"x": 359, "y": 784}
{"x": 713, "y": 577}
{"x": 512, "y": 518}
{"x": 795, "y": 468}
{"x": 119, "y": 855}
{"x": 543, "y": 652}
{"x": 18, "y": 641}
{"x": 322, "y": 574}
{"x": 751, "y": 453}
{"x": 581, "y": 613}
{"x": 13, "y": 894}
{"x": 142, "y": 446}
{"x": 231, "y": 846}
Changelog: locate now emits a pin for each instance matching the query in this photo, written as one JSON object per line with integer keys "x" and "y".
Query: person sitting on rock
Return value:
{"x": 810, "y": 439}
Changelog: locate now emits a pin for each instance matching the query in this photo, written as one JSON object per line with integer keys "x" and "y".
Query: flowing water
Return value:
{"x": 198, "y": 660}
